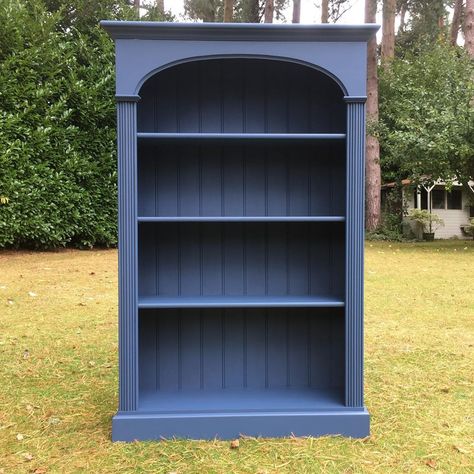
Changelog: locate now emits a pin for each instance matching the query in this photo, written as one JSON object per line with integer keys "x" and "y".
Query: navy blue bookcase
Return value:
{"x": 241, "y": 199}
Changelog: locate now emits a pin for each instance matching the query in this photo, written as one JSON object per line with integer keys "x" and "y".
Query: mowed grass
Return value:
{"x": 58, "y": 372}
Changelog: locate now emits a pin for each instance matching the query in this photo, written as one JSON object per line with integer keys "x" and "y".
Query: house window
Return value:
{"x": 437, "y": 199}
{"x": 454, "y": 199}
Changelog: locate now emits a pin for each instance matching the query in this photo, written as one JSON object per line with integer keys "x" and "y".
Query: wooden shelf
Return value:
{"x": 304, "y": 301}
{"x": 239, "y": 137}
{"x": 231, "y": 400}
{"x": 241, "y": 219}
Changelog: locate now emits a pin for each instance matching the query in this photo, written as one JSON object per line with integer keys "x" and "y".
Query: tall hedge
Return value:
{"x": 57, "y": 130}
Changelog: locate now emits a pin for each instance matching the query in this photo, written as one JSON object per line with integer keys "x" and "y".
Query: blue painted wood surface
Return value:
{"x": 241, "y": 199}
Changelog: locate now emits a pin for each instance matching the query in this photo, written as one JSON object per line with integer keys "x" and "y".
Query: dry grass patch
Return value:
{"x": 58, "y": 376}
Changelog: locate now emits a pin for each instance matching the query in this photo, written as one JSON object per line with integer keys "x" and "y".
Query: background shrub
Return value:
{"x": 57, "y": 126}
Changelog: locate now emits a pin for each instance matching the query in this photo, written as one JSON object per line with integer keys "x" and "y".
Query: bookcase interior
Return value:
{"x": 241, "y": 95}
{"x": 246, "y": 314}
{"x": 231, "y": 179}
{"x": 241, "y": 359}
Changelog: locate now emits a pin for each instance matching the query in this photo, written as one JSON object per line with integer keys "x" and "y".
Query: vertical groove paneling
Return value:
{"x": 268, "y": 96}
{"x": 355, "y": 251}
{"x": 271, "y": 180}
{"x": 180, "y": 350}
{"x": 186, "y": 349}
{"x": 128, "y": 287}
{"x": 201, "y": 350}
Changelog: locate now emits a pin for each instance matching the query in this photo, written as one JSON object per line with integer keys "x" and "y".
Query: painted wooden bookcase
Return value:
{"x": 241, "y": 203}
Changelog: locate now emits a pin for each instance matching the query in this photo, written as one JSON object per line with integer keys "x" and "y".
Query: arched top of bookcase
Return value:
{"x": 241, "y": 94}
{"x": 261, "y": 58}
{"x": 143, "y": 48}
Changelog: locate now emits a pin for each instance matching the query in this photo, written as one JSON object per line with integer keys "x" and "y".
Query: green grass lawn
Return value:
{"x": 58, "y": 372}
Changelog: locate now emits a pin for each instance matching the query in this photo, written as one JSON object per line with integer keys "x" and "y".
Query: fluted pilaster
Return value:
{"x": 355, "y": 250}
{"x": 128, "y": 289}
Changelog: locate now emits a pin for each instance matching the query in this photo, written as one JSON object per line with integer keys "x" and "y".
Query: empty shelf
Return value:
{"x": 228, "y": 400}
{"x": 242, "y": 219}
{"x": 240, "y": 136}
{"x": 239, "y": 302}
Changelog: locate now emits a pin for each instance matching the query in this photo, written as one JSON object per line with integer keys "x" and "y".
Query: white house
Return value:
{"x": 455, "y": 206}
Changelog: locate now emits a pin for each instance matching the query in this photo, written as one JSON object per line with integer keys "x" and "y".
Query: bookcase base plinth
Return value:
{"x": 351, "y": 422}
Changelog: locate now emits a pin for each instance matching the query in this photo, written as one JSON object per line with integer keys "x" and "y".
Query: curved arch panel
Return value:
{"x": 241, "y": 95}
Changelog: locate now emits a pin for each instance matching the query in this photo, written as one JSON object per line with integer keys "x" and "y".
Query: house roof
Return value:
{"x": 438, "y": 182}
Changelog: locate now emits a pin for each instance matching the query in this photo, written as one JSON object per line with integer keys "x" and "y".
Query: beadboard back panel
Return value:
{"x": 241, "y": 96}
{"x": 241, "y": 180}
{"x": 218, "y": 349}
{"x": 236, "y": 259}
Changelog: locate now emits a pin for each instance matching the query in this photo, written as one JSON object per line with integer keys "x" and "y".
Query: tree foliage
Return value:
{"x": 427, "y": 20}
{"x": 426, "y": 115}
{"x": 337, "y": 8}
{"x": 245, "y": 11}
{"x": 57, "y": 124}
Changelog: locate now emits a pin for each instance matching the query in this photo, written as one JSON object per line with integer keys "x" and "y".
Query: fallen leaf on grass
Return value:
{"x": 459, "y": 449}
{"x": 10, "y": 301}
{"x": 431, "y": 463}
{"x": 19, "y": 437}
{"x": 27, "y": 456}
{"x": 234, "y": 444}
{"x": 26, "y": 354}
{"x": 40, "y": 470}
{"x": 32, "y": 294}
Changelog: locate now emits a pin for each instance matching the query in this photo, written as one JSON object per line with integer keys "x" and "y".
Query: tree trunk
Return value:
{"x": 136, "y": 4}
{"x": 388, "y": 30}
{"x": 441, "y": 23}
{"x": 269, "y": 7}
{"x": 456, "y": 22}
{"x": 372, "y": 152}
{"x": 469, "y": 28}
{"x": 160, "y": 5}
{"x": 324, "y": 11}
{"x": 403, "y": 14}
{"x": 228, "y": 10}
{"x": 253, "y": 11}
{"x": 296, "y": 11}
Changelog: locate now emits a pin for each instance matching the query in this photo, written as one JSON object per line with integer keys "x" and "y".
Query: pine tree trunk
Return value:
{"x": 228, "y": 10}
{"x": 324, "y": 11}
{"x": 456, "y": 22}
{"x": 388, "y": 30}
{"x": 469, "y": 28}
{"x": 403, "y": 14}
{"x": 253, "y": 11}
{"x": 269, "y": 7}
{"x": 372, "y": 152}
{"x": 136, "y": 4}
{"x": 296, "y": 11}
{"x": 160, "y": 5}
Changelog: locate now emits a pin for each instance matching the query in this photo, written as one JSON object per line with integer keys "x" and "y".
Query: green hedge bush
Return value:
{"x": 57, "y": 131}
